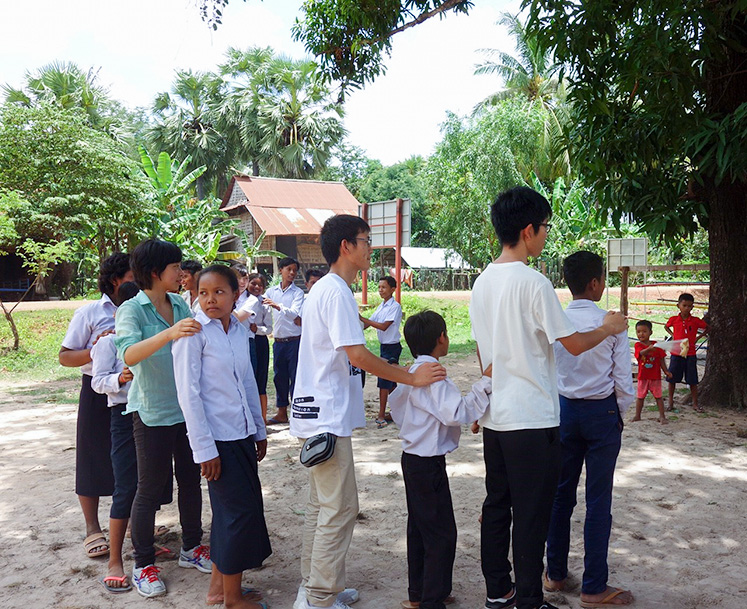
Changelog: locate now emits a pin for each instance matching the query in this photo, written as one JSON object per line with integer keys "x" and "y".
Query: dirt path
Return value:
{"x": 678, "y": 540}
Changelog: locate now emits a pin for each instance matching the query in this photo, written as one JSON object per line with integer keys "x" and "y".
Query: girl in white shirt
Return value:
{"x": 219, "y": 398}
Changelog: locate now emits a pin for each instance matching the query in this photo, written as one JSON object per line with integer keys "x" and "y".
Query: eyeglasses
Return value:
{"x": 367, "y": 241}
{"x": 547, "y": 226}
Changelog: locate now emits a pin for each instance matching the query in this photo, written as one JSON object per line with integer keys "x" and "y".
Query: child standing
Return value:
{"x": 651, "y": 363}
{"x": 227, "y": 434}
{"x": 516, "y": 317}
{"x": 286, "y": 299}
{"x": 262, "y": 328}
{"x": 146, "y": 326}
{"x": 429, "y": 420}
{"x": 386, "y": 319}
{"x": 596, "y": 388}
{"x": 94, "y": 477}
{"x": 685, "y": 325}
{"x": 190, "y": 269}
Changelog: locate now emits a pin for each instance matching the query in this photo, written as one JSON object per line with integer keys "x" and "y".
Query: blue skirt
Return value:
{"x": 238, "y": 535}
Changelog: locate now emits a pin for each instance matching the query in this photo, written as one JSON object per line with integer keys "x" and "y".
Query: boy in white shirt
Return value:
{"x": 386, "y": 319}
{"x": 429, "y": 419}
{"x": 328, "y": 398}
{"x": 516, "y": 317}
{"x": 596, "y": 388}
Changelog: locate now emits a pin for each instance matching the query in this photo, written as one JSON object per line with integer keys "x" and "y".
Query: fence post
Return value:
{"x": 624, "y": 271}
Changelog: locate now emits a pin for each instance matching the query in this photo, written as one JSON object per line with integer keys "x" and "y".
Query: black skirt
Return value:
{"x": 94, "y": 476}
{"x": 238, "y": 535}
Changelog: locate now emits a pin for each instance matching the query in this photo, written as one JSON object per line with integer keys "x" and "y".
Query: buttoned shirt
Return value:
{"x": 106, "y": 370}
{"x": 153, "y": 391}
{"x": 215, "y": 383}
{"x": 598, "y": 372}
{"x": 686, "y": 328}
{"x": 247, "y": 305}
{"x": 194, "y": 305}
{"x": 430, "y": 418}
{"x": 263, "y": 318}
{"x": 388, "y": 310}
{"x": 290, "y": 301}
{"x": 87, "y": 323}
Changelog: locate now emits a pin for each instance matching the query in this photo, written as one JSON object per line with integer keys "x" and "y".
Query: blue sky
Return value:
{"x": 137, "y": 45}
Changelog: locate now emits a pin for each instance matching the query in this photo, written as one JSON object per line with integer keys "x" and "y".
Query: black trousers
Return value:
{"x": 155, "y": 447}
{"x": 431, "y": 530}
{"x": 522, "y": 470}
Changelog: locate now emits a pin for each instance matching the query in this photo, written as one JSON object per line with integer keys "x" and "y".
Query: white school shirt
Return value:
{"x": 106, "y": 370}
{"x": 290, "y": 300}
{"x": 516, "y": 317}
{"x": 263, "y": 317}
{"x": 430, "y": 418}
{"x": 328, "y": 395}
{"x": 248, "y": 305}
{"x": 388, "y": 310}
{"x": 216, "y": 388}
{"x": 193, "y": 306}
{"x": 600, "y": 371}
{"x": 87, "y": 323}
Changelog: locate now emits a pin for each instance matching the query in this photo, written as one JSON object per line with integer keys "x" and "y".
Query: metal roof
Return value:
{"x": 289, "y": 207}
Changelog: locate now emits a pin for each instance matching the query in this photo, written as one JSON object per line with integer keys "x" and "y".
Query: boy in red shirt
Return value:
{"x": 686, "y": 326}
{"x": 650, "y": 365}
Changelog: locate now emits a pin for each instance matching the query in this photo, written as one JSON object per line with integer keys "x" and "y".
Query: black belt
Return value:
{"x": 290, "y": 339}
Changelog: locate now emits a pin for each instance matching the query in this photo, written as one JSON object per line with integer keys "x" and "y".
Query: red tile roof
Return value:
{"x": 290, "y": 207}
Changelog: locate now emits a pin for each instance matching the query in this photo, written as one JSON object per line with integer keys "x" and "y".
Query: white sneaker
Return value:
{"x": 197, "y": 558}
{"x": 336, "y": 605}
{"x": 147, "y": 581}
{"x": 347, "y": 597}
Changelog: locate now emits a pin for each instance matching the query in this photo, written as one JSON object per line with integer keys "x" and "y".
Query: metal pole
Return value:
{"x": 364, "y": 274}
{"x": 398, "y": 252}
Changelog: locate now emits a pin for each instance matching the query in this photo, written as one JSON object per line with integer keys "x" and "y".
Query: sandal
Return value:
{"x": 381, "y": 423}
{"x": 607, "y": 601}
{"x": 94, "y": 541}
{"x": 114, "y": 578}
{"x": 249, "y": 594}
{"x": 551, "y": 585}
{"x": 449, "y": 600}
{"x": 165, "y": 553}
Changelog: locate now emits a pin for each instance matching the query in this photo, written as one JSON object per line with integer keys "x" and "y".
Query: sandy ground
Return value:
{"x": 678, "y": 538}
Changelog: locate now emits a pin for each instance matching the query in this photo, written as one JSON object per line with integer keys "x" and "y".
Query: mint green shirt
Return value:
{"x": 153, "y": 390}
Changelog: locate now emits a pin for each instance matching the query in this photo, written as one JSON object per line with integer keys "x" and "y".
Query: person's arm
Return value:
{"x": 427, "y": 373}
{"x": 703, "y": 330}
{"x": 580, "y": 342}
{"x": 74, "y": 358}
{"x": 379, "y": 325}
{"x": 668, "y": 327}
{"x": 622, "y": 372}
{"x": 260, "y": 436}
{"x": 139, "y": 351}
{"x": 451, "y": 408}
{"x": 105, "y": 378}
{"x": 664, "y": 369}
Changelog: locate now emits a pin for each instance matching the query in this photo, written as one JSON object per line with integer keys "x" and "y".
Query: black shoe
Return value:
{"x": 547, "y": 606}
{"x": 502, "y": 603}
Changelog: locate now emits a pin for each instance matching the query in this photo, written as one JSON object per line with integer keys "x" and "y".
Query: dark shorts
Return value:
{"x": 390, "y": 353}
{"x": 684, "y": 366}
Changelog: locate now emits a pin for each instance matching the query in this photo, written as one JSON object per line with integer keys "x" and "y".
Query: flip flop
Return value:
{"x": 274, "y": 421}
{"x": 449, "y": 600}
{"x": 244, "y": 592}
{"x": 165, "y": 553}
{"x": 550, "y": 585}
{"x": 114, "y": 578}
{"x": 93, "y": 541}
{"x": 160, "y": 530}
{"x": 606, "y": 601}
{"x": 381, "y": 423}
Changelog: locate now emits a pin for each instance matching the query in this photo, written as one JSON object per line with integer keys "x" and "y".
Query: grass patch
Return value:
{"x": 41, "y": 335}
{"x": 456, "y": 315}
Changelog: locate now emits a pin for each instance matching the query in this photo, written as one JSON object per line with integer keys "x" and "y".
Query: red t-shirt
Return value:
{"x": 686, "y": 328}
{"x": 649, "y": 368}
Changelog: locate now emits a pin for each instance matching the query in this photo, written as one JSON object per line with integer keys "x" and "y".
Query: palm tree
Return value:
{"x": 66, "y": 85}
{"x": 185, "y": 126}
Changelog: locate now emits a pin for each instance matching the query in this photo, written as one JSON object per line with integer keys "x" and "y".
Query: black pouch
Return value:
{"x": 317, "y": 449}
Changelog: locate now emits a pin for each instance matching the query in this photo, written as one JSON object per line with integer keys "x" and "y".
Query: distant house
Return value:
{"x": 291, "y": 212}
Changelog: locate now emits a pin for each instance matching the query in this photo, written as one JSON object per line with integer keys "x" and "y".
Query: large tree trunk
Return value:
{"x": 725, "y": 381}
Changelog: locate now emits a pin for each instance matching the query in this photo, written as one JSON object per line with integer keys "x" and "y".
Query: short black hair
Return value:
{"x": 422, "y": 332}
{"x": 240, "y": 268}
{"x": 152, "y": 256}
{"x": 111, "y": 268}
{"x": 514, "y": 210}
{"x": 313, "y": 273}
{"x": 228, "y": 273}
{"x": 686, "y": 296}
{"x": 645, "y": 323}
{"x": 259, "y": 276}
{"x": 337, "y": 229}
{"x": 191, "y": 266}
{"x": 287, "y": 261}
{"x": 390, "y": 280}
{"x": 580, "y": 268}
{"x": 127, "y": 290}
